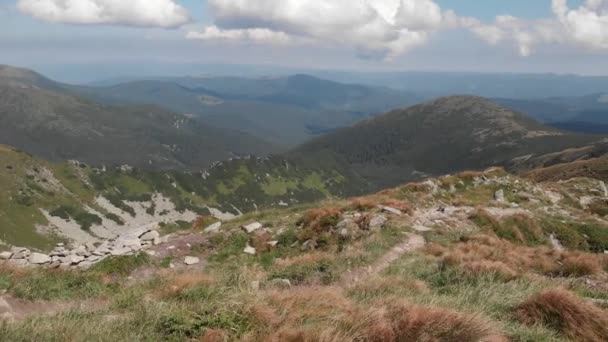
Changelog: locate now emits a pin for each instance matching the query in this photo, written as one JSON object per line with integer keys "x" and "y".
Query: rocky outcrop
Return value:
{"x": 84, "y": 256}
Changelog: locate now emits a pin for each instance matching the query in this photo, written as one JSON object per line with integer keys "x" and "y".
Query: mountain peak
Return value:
{"x": 21, "y": 77}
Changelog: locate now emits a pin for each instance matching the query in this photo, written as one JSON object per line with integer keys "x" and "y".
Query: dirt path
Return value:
{"x": 414, "y": 242}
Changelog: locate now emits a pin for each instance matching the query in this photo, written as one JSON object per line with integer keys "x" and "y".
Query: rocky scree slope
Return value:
{"x": 42, "y": 203}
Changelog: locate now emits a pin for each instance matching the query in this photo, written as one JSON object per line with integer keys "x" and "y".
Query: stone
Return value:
{"x": 189, "y": 260}
{"x": 280, "y": 283}
{"x": 150, "y": 236}
{"x": 252, "y": 227}
{"x": 39, "y": 259}
{"x": 344, "y": 232}
{"x": 90, "y": 247}
{"x": 499, "y": 196}
{"x": 214, "y": 228}
{"x": 151, "y": 253}
{"x": 102, "y": 250}
{"x": 391, "y": 210}
{"x": 20, "y": 253}
{"x": 6, "y": 255}
{"x": 120, "y": 251}
{"x": 377, "y": 221}
{"x": 61, "y": 244}
{"x": 272, "y": 243}
{"x": 255, "y": 285}
{"x": 93, "y": 258}
{"x": 249, "y": 250}
{"x": 75, "y": 259}
{"x": 127, "y": 241}
{"x": 421, "y": 228}
{"x": 309, "y": 245}
{"x": 55, "y": 264}
{"x": 603, "y": 188}
{"x": 157, "y": 241}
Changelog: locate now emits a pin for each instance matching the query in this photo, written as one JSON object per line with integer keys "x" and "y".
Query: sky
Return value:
{"x": 87, "y": 40}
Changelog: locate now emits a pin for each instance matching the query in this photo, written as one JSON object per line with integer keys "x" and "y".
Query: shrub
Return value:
{"x": 121, "y": 265}
{"x": 566, "y": 313}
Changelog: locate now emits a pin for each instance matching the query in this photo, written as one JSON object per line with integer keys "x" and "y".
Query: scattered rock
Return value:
{"x": 252, "y": 227}
{"x": 255, "y": 285}
{"x": 280, "y": 283}
{"x": 499, "y": 196}
{"x": 249, "y": 250}
{"x": 604, "y": 188}
{"x": 39, "y": 259}
{"x": 6, "y": 255}
{"x": 422, "y": 229}
{"x": 189, "y": 260}
{"x": 150, "y": 236}
{"x": 121, "y": 251}
{"x": 20, "y": 253}
{"x": 377, "y": 221}
{"x": 74, "y": 259}
{"x": 214, "y": 228}
{"x": 272, "y": 243}
{"x": 390, "y": 210}
{"x": 309, "y": 245}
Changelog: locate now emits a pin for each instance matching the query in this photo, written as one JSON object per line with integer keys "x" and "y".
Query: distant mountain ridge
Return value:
{"x": 284, "y": 110}
{"x": 438, "y": 137}
{"x": 42, "y": 117}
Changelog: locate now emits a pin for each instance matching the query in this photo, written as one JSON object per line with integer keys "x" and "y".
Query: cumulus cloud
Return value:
{"x": 144, "y": 13}
{"x": 385, "y": 28}
{"x": 586, "y": 26}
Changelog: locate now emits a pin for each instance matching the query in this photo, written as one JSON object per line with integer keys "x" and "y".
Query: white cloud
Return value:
{"x": 145, "y": 13}
{"x": 385, "y": 28}
{"x": 585, "y": 26}
{"x": 261, "y": 35}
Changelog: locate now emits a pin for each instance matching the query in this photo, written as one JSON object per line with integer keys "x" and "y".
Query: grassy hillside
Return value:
{"x": 442, "y": 136}
{"x": 67, "y": 190}
{"x": 453, "y": 266}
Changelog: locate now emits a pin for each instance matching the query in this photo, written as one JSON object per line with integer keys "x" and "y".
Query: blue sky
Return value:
{"x": 78, "y": 46}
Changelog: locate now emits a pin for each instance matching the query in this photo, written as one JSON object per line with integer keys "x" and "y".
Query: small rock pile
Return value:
{"x": 84, "y": 256}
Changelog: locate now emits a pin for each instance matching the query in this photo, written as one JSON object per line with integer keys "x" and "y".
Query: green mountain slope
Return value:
{"x": 43, "y": 202}
{"x": 38, "y": 117}
{"x": 438, "y": 137}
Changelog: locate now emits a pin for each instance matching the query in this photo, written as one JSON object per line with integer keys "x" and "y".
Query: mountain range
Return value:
{"x": 41, "y": 117}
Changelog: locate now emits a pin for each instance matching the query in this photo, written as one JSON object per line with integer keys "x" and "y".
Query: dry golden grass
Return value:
{"x": 321, "y": 219}
{"x": 424, "y": 323}
{"x": 179, "y": 282}
{"x": 214, "y": 335}
{"x": 324, "y": 314}
{"x": 404, "y": 206}
{"x": 568, "y": 314}
{"x": 260, "y": 241}
{"x": 416, "y": 187}
{"x": 202, "y": 222}
{"x": 487, "y": 254}
{"x": 362, "y": 204}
